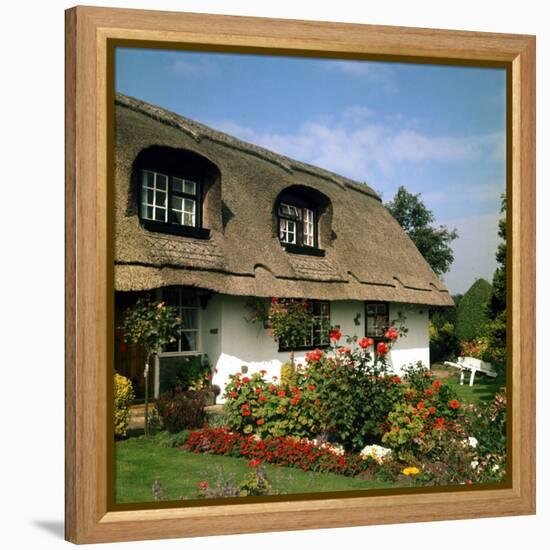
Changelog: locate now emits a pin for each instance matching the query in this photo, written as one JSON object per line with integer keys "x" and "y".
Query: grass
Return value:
{"x": 139, "y": 462}
{"x": 481, "y": 392}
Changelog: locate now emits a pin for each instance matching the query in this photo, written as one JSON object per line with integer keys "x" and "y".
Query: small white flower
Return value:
{"x": 474, "y": 464}
{"x": 495, "y": 468}
{"x": 472, "y": 441}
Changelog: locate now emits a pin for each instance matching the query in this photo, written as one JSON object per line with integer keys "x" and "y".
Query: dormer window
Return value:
{"x": 296, "y": 225}
{"x": 301, "y": 217}
{"x": 171, "y": 204}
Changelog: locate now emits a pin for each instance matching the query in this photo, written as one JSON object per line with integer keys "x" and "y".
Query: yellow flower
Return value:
{"x": 411, "y": 471}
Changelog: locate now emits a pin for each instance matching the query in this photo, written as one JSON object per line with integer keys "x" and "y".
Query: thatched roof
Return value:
{"x": 367, "y": 255}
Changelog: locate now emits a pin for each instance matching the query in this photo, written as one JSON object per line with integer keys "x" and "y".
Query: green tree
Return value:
{"x": 471, "y": 316}
{"x": 152, "y": 326}
{"x": 416, "y": 220}
{"x": 496, "y": 308}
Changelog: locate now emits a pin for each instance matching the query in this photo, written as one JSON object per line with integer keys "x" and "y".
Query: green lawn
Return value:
{"x": 481, "y": 392}
{"x": 139, "y": 462}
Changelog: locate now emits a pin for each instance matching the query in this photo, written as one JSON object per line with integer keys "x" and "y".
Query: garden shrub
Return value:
{"x": 182, "y": 409}
{"x": 443, "y": 342}
{"x": 471, "y": 316}
{"x": 429, "y": 407}
{"x": 344, "y": 396}
{"x": 285, "y": 451}
{"x": 187, "y": 372}
{"x": 288, "y": 374}
{"x": 124, "y": 395}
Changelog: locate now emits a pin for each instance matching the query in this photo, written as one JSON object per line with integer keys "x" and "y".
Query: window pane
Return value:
{"x": 189, "y": 206}
{"x": 190, "y": 318}
{"x": 176, "y": 203}
{"x": 290, "y": 211}
{"x": 160, "y": 197}
{"x": 148, "y": 179}
{"x": 188, "y": 219}
{"x": 177, "y": 185}
{"x": 176, "y": 217}
{"x": 161, "y": 182}
{"x": 146, "y": 212}
{"x": 160, "y": 214}
{"x": 287, "y": 231}
{"x": 189, "y": 341}
{"x": 190, "y": 187}
{"x": 308, "y": 228}
{"x": 150, "y": 196}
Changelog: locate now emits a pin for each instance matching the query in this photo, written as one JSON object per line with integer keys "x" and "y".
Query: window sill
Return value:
{"x": 173, "y": 229}
{"x": 305, "y": 250}
{"x": 299, "y": 349}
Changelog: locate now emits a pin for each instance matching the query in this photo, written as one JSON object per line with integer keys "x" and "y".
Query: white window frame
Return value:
{"x": 145, "y": 204}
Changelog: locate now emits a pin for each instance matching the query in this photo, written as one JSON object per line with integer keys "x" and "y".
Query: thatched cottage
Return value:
{"x": 210, "y": 224}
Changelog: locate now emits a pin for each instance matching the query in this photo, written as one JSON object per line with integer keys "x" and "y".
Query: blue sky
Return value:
{"x": 437, "y": 130}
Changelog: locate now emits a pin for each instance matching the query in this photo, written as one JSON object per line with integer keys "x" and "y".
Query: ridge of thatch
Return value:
{"x": 367, "y": 254}
{"x": 199, "y": 131}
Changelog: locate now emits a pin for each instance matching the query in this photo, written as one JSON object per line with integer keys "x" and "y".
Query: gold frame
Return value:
{"x": 90, "y": 32}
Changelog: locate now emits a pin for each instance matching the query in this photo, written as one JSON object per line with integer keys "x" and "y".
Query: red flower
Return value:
{"x": 454, "y": 404}
{"x": 420, "y": 405}
{"x": 439, "y": 423}
{"x": 274, "y": 300}
{"x": 203, "y": 485}
{"x": 428, "y": 391}
{"x": 366, "y": 342}
{"x": 311, "y": 388}
{"x": 260, "y": 421}
{"x": 335, "y": 334}
{"x": 396, "y": 428}
{"x": 392, "y": 334}
{"x": 245, "y": 406}
{"x": 246, "y": 379}
{"x": 246, "y": 412}
{"x": 314, "y": 355}
{"x": 272, "y": 388}
{"x": 316, "y": 402}
{"x": 295, "y": 400}
{"x": 396, "y": 379}
{"x": 262, "y": 398}
{"x": 281, "y": 393}
{"x": 432, "y": 410}
{"x": 254, "y": 463}
{"x": 382, "y": 348}
{"x": 258, "y": 390}
{"x": 436, "y": 384}
{"x": 233, "y": 394}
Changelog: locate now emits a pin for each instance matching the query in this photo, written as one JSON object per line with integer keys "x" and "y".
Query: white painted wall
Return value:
{"x": 231, "y": 342}
{"x": 415, "y": 345}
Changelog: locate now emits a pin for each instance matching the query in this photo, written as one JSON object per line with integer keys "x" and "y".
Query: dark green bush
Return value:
{"x": 471, "y": 317}
{"x": 182, "y": 371}
{"x": 182, "y": 409}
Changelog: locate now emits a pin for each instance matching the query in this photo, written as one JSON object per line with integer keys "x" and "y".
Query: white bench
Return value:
{"x": 473, "y": 365}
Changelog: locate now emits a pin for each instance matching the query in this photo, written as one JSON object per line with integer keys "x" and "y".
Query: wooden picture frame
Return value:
{"x": 90, "y": 34}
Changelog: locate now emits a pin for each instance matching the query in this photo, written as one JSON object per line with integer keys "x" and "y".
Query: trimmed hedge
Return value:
{"x": 471, "y": 317}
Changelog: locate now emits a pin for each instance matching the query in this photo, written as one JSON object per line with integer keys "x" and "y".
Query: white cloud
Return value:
{"x": 193, "y": 68}
{"x": 376, "y": 73}
{"x": 358, "y": 146}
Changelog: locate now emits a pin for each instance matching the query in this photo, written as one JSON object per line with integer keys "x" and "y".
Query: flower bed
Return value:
{"x": 283, "y": 451}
